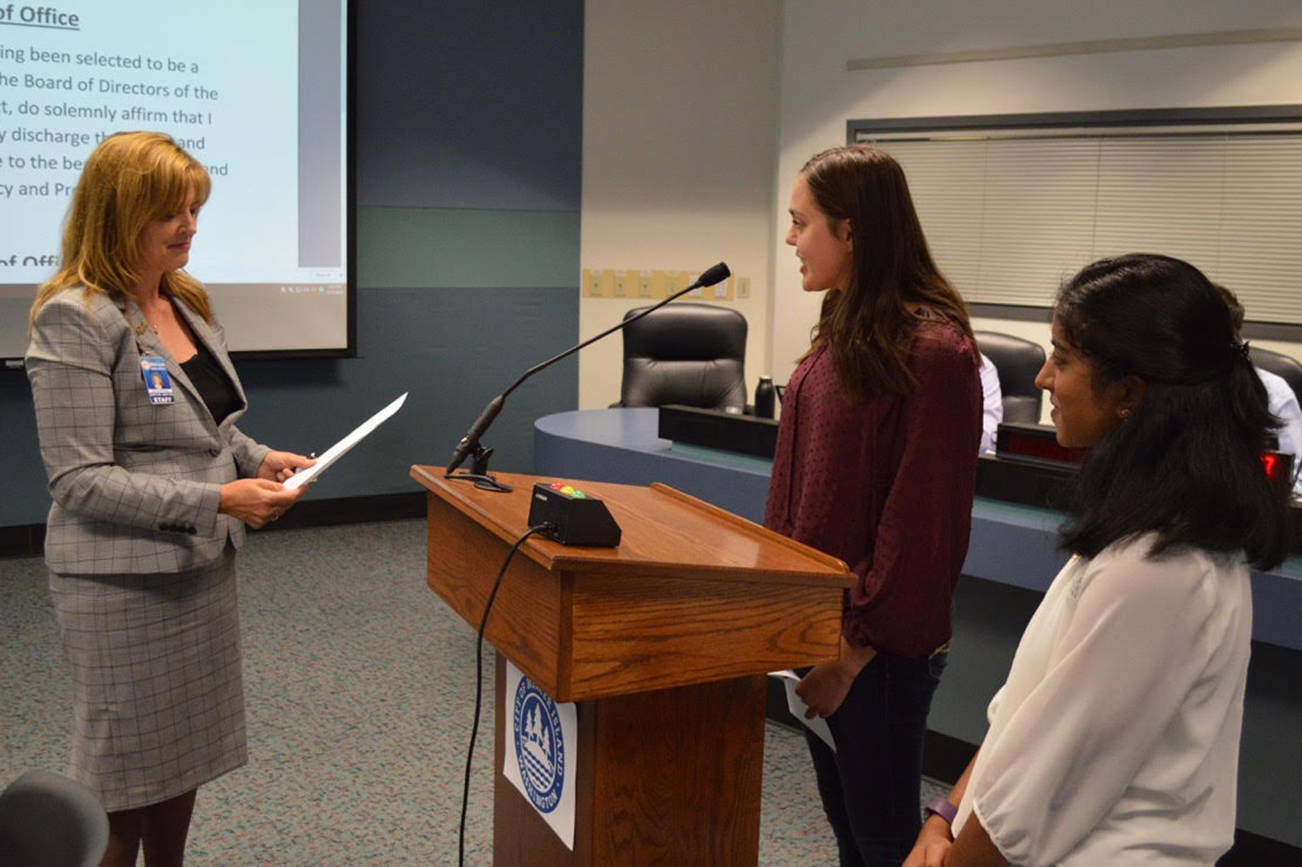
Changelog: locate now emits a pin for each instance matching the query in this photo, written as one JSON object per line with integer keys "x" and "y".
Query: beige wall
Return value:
{"x": 679, "y": 147}
{"x": 818, "y": 94}
{"x": 698, "y": 115}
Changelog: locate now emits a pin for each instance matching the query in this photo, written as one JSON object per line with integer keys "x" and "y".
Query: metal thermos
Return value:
{"x": 764, "y": 398}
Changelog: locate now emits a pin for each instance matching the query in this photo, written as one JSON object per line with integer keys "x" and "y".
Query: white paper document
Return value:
{"x": 798, "y": 708}
{"x": 339, "y": 449}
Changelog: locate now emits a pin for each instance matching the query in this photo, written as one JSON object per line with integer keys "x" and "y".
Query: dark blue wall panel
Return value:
{"x": 474, "y": 105}
{"x": 452, "y": 350}
{"x": 22, "y": 477}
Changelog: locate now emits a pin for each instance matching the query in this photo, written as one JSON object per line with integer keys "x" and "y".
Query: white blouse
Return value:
{"x": 1115, "y": 739}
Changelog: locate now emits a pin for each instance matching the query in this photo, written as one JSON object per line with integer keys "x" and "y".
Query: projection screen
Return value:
{"x": 257, "y": 90}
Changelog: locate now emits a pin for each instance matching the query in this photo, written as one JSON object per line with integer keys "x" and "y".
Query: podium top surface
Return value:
{"x": 664, "y": 532}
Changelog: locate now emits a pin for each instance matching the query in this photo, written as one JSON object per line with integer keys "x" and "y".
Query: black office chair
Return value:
{"x": 1017, "y": 361}
{"x": 49, "y": 819}
{"x": 691, "y": 354}
{"x": 1281, "y": 365}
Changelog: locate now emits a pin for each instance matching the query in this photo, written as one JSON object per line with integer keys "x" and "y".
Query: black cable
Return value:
{"x": 479, "y": 684}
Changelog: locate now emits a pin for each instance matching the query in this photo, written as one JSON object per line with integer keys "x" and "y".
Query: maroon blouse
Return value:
{"x": 886, "y": 485}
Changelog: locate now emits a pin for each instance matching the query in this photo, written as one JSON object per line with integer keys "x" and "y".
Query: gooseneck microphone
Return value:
{"x": 470, "y": 445}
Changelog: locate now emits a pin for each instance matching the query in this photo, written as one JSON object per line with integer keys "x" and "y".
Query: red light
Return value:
{"x": 1271, "y": 464}
{"x": 1278, "y": 467}
{"x": 1036, "y": 443}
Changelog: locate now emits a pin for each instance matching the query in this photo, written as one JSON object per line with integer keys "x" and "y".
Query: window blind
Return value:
{"x": 1010, "y": 215}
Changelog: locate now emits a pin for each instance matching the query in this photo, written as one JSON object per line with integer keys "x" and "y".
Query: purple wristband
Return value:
{"x": 942, "y": 808}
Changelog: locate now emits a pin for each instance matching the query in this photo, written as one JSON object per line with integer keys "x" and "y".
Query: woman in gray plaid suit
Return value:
{"x": 153, "y": 484}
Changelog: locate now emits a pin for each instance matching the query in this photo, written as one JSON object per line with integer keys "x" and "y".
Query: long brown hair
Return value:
{"x": 131, "y": 179}
{"x": 867, "y": 326}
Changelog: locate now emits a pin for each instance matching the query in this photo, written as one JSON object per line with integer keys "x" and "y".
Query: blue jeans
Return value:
{"x": 871, "y": 785}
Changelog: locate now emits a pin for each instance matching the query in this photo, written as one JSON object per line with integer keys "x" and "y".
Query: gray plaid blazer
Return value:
{"x": 135, "y": 485}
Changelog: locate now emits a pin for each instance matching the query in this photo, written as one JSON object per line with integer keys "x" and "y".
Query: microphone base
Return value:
{"x": 483, "y": 481}
{"x": 478, "y": 473}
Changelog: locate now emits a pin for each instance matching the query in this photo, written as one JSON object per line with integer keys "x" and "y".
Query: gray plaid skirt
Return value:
{"x": 157, "y": 692}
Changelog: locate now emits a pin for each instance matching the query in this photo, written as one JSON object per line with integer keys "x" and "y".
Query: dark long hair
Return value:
{"x": 1187, "y": 464}
{"x": 867, "y": 326}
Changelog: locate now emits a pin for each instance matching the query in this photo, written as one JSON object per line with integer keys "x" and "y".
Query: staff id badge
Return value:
{"x": 153, "y": 369}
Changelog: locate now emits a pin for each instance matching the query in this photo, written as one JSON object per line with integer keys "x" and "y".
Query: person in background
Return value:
{"x": 992, "y": 404}
{"x": 876, "y": 464}
{"x": 1115, "y": 738}
{"x": 152, "y": 486}
{"x": 1280, "y": 399}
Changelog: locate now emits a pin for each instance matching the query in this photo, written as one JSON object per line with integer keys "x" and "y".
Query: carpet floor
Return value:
{"x": 359, "y": 685}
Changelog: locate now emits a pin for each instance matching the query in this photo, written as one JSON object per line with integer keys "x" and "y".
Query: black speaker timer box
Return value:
{"x": 575, "y": 517}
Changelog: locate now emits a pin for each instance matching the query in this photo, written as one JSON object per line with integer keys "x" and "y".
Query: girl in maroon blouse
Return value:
{"x": 876, "y": 464}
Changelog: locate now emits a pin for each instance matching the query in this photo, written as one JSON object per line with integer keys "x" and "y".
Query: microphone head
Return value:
{"x": 714, "y": 274}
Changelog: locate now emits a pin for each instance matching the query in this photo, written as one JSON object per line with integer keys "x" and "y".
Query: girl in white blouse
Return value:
{"x": 1115, "y": 738}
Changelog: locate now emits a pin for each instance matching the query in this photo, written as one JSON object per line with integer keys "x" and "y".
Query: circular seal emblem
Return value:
{"x": 539, "y": 746}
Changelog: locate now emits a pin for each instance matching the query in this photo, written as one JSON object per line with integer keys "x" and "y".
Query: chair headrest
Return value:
{"x": 1016, "y": 360}
{"x": 686, "y": 332}
{"x": 1283, "y": 366}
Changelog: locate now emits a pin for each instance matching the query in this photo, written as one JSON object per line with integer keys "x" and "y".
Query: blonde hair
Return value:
{"x": 130, "y": 180}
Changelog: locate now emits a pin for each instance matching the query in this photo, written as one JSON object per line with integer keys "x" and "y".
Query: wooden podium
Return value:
{"x": 663, "y": 642}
